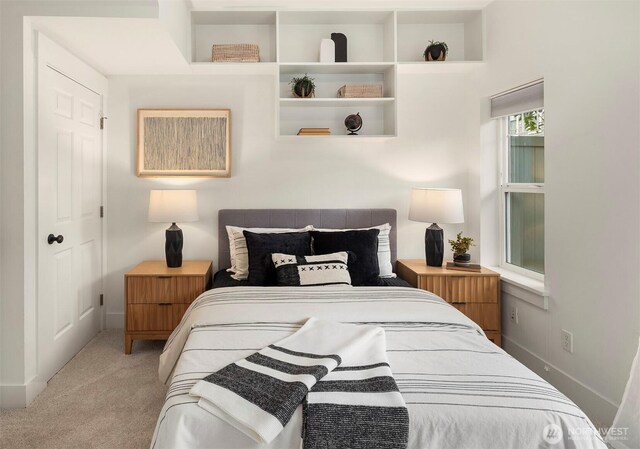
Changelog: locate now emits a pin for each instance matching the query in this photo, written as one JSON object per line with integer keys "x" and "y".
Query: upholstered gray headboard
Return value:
{"x": 298, "y": 218}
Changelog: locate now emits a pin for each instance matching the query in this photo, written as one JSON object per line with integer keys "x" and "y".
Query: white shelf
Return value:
{"x": 333, "y": 102}
{"x": 233, "y": 17}
{"x": 233, "y": 27}
{"x": 335, "y": 17}
{"x": 370, "y": 34}
{"x": 378, "y": 117}
{"x": 335, "y": 67}
{"x": 337, "y": 136}
{"x": 234, "y": 68}
{"x": 461, "y": 30}
{"x": 424, "y": 67}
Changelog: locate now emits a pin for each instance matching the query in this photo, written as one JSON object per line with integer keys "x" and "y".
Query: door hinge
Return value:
{"x": 102, "y": 119}
{"x": 101, "y": 211}
{"x": 101, "y": 299}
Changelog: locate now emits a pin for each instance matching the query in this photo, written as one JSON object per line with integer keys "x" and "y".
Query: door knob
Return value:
{"x": 52, "y": 238}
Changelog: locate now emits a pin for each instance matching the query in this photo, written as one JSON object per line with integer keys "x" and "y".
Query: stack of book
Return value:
{"x": 464, "y": 266}
{"x": 314, "y": 132}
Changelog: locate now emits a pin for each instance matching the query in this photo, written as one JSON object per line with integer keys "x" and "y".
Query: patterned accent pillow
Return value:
{"x": 327, "y": 269}
{"x": 238, "y": 247}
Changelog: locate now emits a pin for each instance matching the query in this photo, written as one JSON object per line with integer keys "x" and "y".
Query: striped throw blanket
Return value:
{"x": 339, "y": 372}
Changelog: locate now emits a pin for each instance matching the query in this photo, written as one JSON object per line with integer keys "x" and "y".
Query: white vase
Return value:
{"x": 327, "y": 50}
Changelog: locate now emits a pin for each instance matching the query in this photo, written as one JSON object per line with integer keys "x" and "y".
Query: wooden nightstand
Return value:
{"x": 477, "y": 295}
{"x": 156, "y": 297}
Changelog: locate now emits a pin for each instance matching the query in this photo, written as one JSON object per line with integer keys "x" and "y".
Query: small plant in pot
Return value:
{"x": 460, "y": 246}
{"x": 302, "y": 87}
{"x": 436, "y": 51}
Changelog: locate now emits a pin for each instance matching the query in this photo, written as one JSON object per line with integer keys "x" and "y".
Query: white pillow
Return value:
{"x": 384, "y": 247}
{"x": 238, "y": 247}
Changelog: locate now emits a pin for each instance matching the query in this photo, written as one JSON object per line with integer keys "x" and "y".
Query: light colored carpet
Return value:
{"x": 101, "y": 399}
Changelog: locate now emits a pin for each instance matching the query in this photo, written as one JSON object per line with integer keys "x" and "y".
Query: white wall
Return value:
{"x": 588, "y": 54}
{"x": 1, "y": 187}
{"x": 438, "y": 129}
{"x": 18, "y": 233}
{"x": 175, "y": 15}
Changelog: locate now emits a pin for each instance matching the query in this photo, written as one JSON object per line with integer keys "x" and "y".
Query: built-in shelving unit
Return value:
{"x": 461, "y": 30}
{"x": 233, "y": 27}
{"x": 381, "y": 45}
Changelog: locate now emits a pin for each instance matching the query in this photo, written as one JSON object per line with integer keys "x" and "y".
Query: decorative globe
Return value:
{"x": 353, "y": 123}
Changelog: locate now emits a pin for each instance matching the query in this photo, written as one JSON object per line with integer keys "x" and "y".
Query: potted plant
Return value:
{"x": 302, "y": 87}
{"x": 436, "y": 51}
{"x": 460, "y": 246}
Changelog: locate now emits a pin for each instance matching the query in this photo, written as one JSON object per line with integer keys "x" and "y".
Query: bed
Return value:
{"x": 460, "y": 389}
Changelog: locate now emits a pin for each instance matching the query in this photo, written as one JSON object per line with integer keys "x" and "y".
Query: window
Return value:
{"x": 522, "y": 191}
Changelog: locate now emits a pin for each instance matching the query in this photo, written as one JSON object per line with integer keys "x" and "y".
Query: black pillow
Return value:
{"x": 261, "y": 246}
{"x": 363, "y": 243}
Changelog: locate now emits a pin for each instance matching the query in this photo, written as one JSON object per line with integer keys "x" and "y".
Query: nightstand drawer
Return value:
{"x": 461, "y": 288}
{"x": 188, "y": 288}
{"x": 150, "y": 317}
{"x": 151, "y": 289}
{"x": 434, "y": 284}
{"x": 487, "y": 316}
{"x": 472, "y": 289}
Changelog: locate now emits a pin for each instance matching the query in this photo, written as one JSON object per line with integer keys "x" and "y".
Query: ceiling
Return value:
{"x": 117, "y": 46}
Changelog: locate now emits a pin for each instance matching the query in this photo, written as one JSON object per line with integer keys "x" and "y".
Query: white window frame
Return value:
{"x": 504, "y": 187}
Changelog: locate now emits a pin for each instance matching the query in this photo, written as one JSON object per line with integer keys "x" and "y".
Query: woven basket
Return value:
{"x": 360, "y": 91}
{"x": 235, "y": 53}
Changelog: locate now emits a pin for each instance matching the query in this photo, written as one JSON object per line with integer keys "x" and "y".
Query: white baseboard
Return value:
{"x": 115, "y": 320}
{"x": 597, "y": 407}
{"x": 20, "y": 396}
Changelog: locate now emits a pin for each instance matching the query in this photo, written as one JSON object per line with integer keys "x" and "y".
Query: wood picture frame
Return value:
{"x": 184, "y": 143}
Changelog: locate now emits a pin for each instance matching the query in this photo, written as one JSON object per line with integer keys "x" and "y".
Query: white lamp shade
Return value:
{"x": 172, "y": 206}
{"x": 436, "y": 206}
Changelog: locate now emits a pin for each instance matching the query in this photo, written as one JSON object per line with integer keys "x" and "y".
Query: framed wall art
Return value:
{"x": 184, "y": 142}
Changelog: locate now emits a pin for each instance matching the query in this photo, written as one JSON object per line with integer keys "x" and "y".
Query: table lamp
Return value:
{"x": 435, "y": 206}
{"x": 171, "y": 206}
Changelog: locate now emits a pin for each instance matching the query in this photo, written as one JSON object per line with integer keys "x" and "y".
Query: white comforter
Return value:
{"x": 461, "y": 390}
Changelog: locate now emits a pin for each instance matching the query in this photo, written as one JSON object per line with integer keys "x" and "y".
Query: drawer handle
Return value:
{"x": 164, "y": 277}
{"x": 457, "y": 302}
{"x": 164, "y": 303}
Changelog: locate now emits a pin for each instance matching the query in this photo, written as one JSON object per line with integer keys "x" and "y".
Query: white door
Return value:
{"x": 69, "y": 200}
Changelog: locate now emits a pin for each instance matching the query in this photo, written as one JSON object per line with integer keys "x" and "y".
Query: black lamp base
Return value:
{"x": 434, "y": 245}
{"x": 173, "y": 246}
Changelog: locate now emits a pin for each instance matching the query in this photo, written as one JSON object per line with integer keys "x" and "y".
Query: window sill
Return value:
{"x": 522, "y": 287}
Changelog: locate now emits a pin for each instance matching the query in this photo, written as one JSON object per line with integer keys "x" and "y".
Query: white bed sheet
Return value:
{"x": 461, "y": 390}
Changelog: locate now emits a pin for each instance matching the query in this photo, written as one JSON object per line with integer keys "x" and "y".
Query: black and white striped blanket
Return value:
{"x": 339, "y": 371}
{"x": 461, "y": 391}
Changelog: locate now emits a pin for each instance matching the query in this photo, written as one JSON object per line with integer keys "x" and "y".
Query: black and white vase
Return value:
{"x": 462, "y": 258}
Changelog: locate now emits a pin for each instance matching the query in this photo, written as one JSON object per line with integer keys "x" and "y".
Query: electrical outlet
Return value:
{"x": 513, "y": 316}
{"x": 567, "y": 341}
